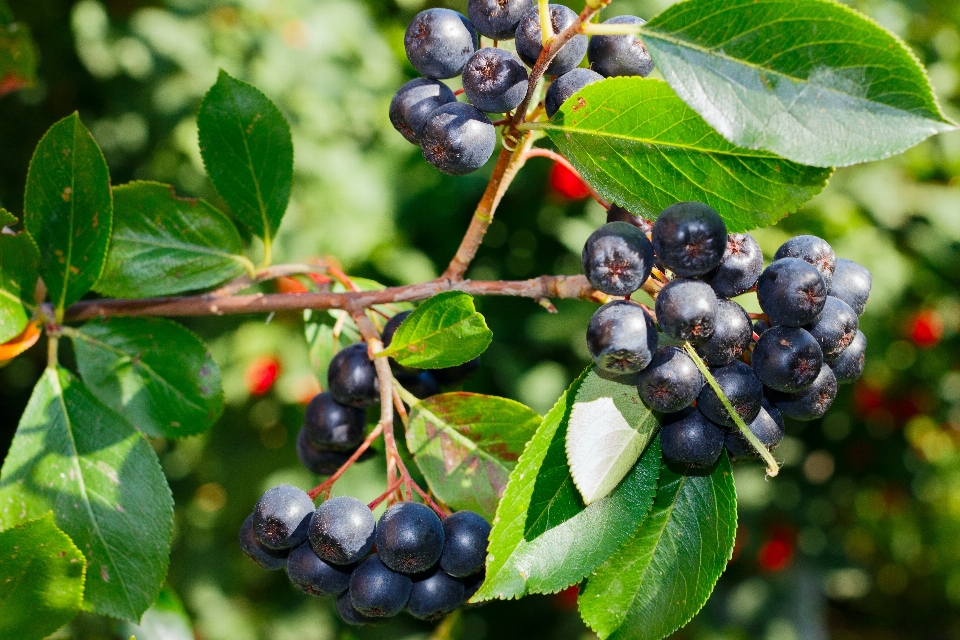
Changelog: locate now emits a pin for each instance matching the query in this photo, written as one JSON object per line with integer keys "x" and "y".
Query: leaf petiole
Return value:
{"x": 773, "y": 468}
{"x": 594, "y": 29}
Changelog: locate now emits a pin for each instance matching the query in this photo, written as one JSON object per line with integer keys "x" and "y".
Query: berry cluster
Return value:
{"x": 457, "y": 137}
{"x": 423, "y": 564}
{"x": 335, "y": 423}
{"x": 786, "y": 363}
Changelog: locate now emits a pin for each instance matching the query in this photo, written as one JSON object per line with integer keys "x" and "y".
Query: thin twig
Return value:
{"x": 329, "y": 482}
{"x": 556, "y": 157}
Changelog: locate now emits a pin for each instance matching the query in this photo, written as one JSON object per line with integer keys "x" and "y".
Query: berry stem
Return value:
{"x": 772, "y": 467}
{"x": 383, "y": 496}
{"x": 556, "y": 157}
{"x": 327, "y": 484}
{"x": 546, "y": 24}
{"x": 594, "y": 29}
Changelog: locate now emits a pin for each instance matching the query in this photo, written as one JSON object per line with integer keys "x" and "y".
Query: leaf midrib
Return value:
{"x": 267, "y": 231}
{"x": 68, "y": 259}
{"x": 133, "y": 238}
{"x": 471, "y": 444}
{"x": 81, "y": 483}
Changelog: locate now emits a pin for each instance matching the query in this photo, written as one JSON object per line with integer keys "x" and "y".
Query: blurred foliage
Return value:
{"x": 857, "y": 538}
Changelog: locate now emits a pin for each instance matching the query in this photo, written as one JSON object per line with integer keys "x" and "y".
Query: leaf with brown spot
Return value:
{"x": 466, "y": 445}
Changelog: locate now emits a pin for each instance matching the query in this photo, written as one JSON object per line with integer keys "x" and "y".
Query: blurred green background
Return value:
{"x": 859, "y": 537}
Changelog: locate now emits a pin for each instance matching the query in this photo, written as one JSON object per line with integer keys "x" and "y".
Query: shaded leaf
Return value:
{"x": 75, "y": 457}
{"x": 466, "y": 444}
{"x": 810, "y": 80}
{"x": 155, "y": 372}
{"x": 544, "y": 539}
{"x": 165, "y": 620}
{"x": 444, "y": 331}
{"x": 41, "y": 579}
{"x": 608, "y": 429}
{"x": 248, "y": 152}
{"x": 6, "y": 218}
{"x": 662, "y": 577}
{"x": 69, "y": 210}
{"x": 642, "y": 147}
{"x": 18, "y": 278}
{"x": 163, "y": 244}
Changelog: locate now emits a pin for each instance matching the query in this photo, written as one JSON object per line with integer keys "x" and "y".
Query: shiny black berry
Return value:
{"x": 342, "y": 530}
{"x": 851, "y": 283}
{"x": 349, "y": 614}
{"x": 813, "y": 250}
{"x": 265, "y": 557}
{"x": 439, "y": 42}
{"x": 689, "y": 238}
{"x": 376, "y": 591}
{"x": 529, "y": 39}
{"x": 566, "y": 85}
{"x": 414, "y": 103}
{"x": 739, "y": 268}
{"x": 787, "y": 359}
{"x": 465, "y": 536}
{"x": 617, "y": 259}
{"x": 767, "y": 426}
{"x": 458, "y": 139}
{"x": 848, "y": 364}
{"x": 282, "y": 516}
{"x": 495, "y": 80}
{"x": 318, "y": 460}
{"x": 312, "y": 575}
{"x": 409, "y": 537}
{"x": 690, "y": 440}
{"x": 497, "y": 19}
{"x": 621, "y": 337}
{"x": 620, "y": 55}
{"x": 812, "y": 402}
{"x": 616, "y": 213}
{"x": 332, "y": 426}
{"x": 434, "y": 595}
{"x": 741, "y": 387}
{"x": 686, "y": 310}
{"x": 353, "y": 378}
{"x": 732, "y": 334}
{"x": 835, "y": 327}
{"x": 671, "y": 382}
{"x": 791, "y": 292}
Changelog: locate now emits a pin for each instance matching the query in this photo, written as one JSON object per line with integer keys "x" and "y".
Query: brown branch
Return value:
{"x": 206, "y": 305}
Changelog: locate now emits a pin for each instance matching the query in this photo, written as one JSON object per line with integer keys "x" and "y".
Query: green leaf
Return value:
{"x": 544, "y": 539}
{"x": 608, "y": 429}
{"x": 248, "y": 151}
{"x": 165, "y": 620}
{"x": 811, "y": 80}
{"x": 155, "y": 372}
{"x": 444, "y": 331}
{"x": 41, "y": 579}
{"x": 69, "y": 210}
{"x": 642, "y": 147}
{"x": 75, "y": 457}
{"x": 6, "y": 218}
{"x": 466, "y": 444}
{"x": 662, "y": 577}
{"x": 18, "y": 55}
{"x": 18, "y": 278}
{"x": 163, "y": 244}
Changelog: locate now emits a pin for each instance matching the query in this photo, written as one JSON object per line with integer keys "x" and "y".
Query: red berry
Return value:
{"x": 926, "y": 329}
{"x": 261, "y": 375}
{"x": 566, "y": 600}
{"x": 777, "y": 553}
{"x": 566, "y": 183}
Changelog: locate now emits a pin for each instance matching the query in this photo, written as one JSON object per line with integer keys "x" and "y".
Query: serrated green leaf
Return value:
{"x": 18, "y": 278}
{"x": 163, "y": 244}
{"x": 608, "y": 429}
{"x": 75, "y": 457}
{"x": 248, "y": 152}
{"x": 69, "y": 210}
{"x": 466, "y": 444}
{"x": 663, "y": 576}
{"x": 166, "y": 619}
{"x": 6, "y": 218}
{"x": 810, "y": 80}
{"x": 544, "y": 539}
{"x": 41, "y": 579}
{"x": 642, "y": 147}
{"x": 444, "y": 331}
{"x": 155, "y": 372}
{"x": 18, "y": 55}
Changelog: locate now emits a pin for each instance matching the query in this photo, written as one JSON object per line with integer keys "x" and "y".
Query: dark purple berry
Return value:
{"x": 621, "y": 337}
{"x": 616, "y": 213}
{"x": 689, "y": 238}
{"x": 851, "y": 283}
{"x": 497, "y": 19}
{"x": 617, "y": 259}
{"x": 353, "y": 378}
{"x": 331, "y": 426}
{"x": 414, "y": 103}
{"x": 689, "y": 439}
{"x": 439, "y": 42}
{"x": 620, "y": 55}
{"x": 813, "y": 250}
{"x": 566, "y": 85}
{"x": 422, "y": 384}
{"x": 455, "y": 375}
{"x": 434, "y": 595}
{"x": 409, "y": 538}
{"x": 312, "y": 575}
{"x": 732, "y": 334}
{"x": 767, "y": 426}
{"x": 671, "y": 382}
{"x": 458, "y": 139}
{"x": 495, "y": 80}
{"x": 376, "y": 591}
{"x": 835, "y": 327}
{"x": 349, "y": 614}
{"x": 760, "y": 326}
{"x": 686, "y": 310}
{"x": 812, "y": 402}
{"x": 390, "y": 329}
{"x": 266, "y": 558}
{"x": 742, "y": 388}
{"x": 739, "y": 268}
{"x": 465, "y": 536}
{"x": 281, "y": 518}
{"x": 316, "y": 459}
{"x": 787, "y": 359}
{"x": 848, "y": 364}
{"x": 472, "y": 584}
{"x": 530, "y": 39}
{"x": 791, "y": 292}
{"x": 342, "y": 530}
